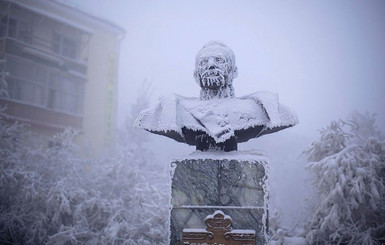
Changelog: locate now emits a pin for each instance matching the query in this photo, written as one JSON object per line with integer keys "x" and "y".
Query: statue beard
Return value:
{"x": 213, "y": 79}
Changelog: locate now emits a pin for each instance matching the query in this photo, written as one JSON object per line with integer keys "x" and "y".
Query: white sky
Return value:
{"x": 324, "y": 59}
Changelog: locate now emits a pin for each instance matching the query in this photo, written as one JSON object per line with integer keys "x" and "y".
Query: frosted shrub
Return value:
{"x": 348, "y": 165}
{"x": 28, "y": 179}
{"x": 52, "y": 196}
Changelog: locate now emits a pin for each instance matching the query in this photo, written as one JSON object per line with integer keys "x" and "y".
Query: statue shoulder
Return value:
{"x": 161, "y": 116}
{"x": 262, "y": 96}
{"x": 278, "y": 114}
{"x": 167, "y": 117}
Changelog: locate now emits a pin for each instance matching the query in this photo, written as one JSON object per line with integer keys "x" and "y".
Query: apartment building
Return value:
{"x": 60, "y": 65}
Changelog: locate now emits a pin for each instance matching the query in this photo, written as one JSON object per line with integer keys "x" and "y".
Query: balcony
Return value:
{"x": 32, "y": 35}
{"x": 40, "y": 117}
{"x": 43, "y": 85}
{"x": 36, "y": 54}
{"x": 42, "y": 95}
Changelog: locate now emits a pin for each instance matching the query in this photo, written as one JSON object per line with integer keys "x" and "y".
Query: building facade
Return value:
{"x": 60, "y": 66}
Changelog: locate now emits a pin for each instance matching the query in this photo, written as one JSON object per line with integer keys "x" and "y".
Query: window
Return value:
{"x": 12, "y": 28}
{"x": 3, "y": 26}
{"x": 53, "y": 99}
{"x": 40, "y": 75}
{"x": 17, "y": 28}
{"x": 65, "y": 94}
{"x": 24, "y": 91}
{"x": 65, "y": 46}
{"x": 69, "y": 47}
{"x": 45, "y": 87}
{"x": 24, "y": 31}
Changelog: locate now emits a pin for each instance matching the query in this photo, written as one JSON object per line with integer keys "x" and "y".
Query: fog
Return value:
{"x": 325, "y": 59}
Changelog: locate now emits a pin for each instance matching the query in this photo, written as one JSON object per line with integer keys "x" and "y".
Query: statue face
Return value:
{"x": 214, "y": 67}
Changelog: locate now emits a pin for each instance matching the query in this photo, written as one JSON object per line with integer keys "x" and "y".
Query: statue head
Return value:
{"x": 215, "y": 70}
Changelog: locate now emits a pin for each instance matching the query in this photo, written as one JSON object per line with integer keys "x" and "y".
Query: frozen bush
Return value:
{"x": 348, "y": 165}
{"x": 52, "y": 196}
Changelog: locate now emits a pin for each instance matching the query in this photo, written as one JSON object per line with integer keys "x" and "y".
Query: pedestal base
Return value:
{"x": 234, "y": 182}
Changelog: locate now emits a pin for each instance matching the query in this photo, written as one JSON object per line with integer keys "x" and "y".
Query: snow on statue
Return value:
{"x": 218, "y": 120}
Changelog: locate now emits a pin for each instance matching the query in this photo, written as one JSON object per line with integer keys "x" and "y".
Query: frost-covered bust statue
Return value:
{"x": 216, "y": 120}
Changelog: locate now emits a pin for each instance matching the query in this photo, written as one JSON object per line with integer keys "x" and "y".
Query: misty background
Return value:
{"x": 325, "y": 59}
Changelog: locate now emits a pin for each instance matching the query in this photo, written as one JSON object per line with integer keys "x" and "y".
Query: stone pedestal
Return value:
{"x": 234, "y": 182}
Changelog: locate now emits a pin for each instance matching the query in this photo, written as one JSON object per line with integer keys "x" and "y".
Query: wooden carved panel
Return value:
{"x": 219, "y": 232}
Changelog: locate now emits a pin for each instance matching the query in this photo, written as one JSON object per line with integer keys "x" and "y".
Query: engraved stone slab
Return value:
{"x": 218, "y": 231}
{"x": 234, "y": 182}
{"x": 191, "y": 218}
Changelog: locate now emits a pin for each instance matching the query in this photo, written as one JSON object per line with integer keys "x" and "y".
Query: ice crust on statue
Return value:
{"x": 217, "y": 113}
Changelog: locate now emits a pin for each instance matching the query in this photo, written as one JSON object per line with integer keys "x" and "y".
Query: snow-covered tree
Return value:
{"x": 348, "y": 165}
